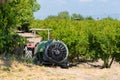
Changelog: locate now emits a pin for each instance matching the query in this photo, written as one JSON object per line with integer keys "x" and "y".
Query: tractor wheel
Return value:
{"x": 65, "y": 64}
{"x": 35, "y": 60}
{"x": 38, "y": 58}
{"x": 28, "y": 52}
{"x": 56, "y": 52}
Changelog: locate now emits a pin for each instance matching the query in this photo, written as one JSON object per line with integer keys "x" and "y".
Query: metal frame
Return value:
{"x": 39, "y": 29}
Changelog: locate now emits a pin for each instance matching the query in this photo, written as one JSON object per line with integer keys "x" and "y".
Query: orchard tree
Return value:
{"x": 64, "y": 15}
{"x": 108, "y": 18}
{"x": 24, "y": 12}
{"x": 77, "y": 16}
{"x": 89, "y": 18}
{"x": 104, "y": 42}
{"x": 12, "y": 14}
{"x": 52, "y": 17}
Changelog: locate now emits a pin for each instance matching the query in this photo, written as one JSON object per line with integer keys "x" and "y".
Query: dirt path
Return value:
{"x": 23, "y": 71}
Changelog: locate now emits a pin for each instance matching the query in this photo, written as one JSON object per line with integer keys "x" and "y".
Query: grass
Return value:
{"x": 20, "y": 69}
{"x": 64, "y": 79}
{"x": 28, "y": 71}
{"x": 103, "y": 78}
{"x": 6, "y": 68}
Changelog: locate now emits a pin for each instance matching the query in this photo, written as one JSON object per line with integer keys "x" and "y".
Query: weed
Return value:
{"x": 63, "y": 79}
{"x": 20, "y": 69}
{"x": 6, "y": 68}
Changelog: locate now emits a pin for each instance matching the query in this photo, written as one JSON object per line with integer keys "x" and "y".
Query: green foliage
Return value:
{"x": 6, "y": 68}
{"x": 12, "y": 14}
{"x": 89, "y": 18}
{"x": 23, "y": 11}
{"x": 88, "y": 39}
{"x": 77, "y": 16}
{"x": 35, "y": 6}
{"x": 65, "y": 16}
{"x": 10, "y": 42}
{"x": 62, "y": 15}
{"x": 52, "y": 17}
{"x": 108, "y": 18}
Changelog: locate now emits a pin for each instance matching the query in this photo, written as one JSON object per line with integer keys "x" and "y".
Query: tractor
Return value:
{"x": 50, "y": 52}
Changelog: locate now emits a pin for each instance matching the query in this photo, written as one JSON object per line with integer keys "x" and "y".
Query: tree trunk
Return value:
{"x": 106, "y": 63}
{"x": 111, "y": 61}
{"x": 78, "y": 59}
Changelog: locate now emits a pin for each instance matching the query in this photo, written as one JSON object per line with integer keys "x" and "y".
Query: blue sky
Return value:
{"x": 94, "y": 8}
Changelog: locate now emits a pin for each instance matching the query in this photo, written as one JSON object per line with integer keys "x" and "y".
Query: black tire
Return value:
{"x": 35, "y": 60}
{"x": 38, "y": 60}
{"x": 65, "y": 64}
{"x": 40, "y": 57}
{"x": 56, "y": 52}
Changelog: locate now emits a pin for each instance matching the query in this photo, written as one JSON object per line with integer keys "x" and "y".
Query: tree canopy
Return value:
{"x": 12, "y": 14}
{"x": 62, "y": 15}
{"x": 77, "y": 16}
{"x": 66, "y": 16}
